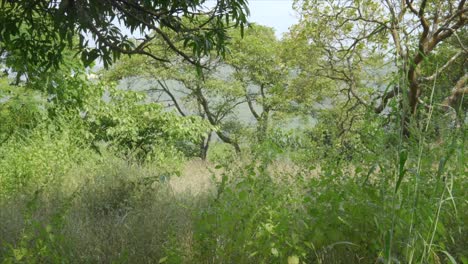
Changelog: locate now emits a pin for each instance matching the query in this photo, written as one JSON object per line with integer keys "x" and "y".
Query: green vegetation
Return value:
{"x": 343, "y": 142}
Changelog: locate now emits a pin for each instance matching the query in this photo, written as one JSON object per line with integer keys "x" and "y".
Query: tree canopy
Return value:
{"x": 41, "y": 30}
{"x": 350, "y": 38}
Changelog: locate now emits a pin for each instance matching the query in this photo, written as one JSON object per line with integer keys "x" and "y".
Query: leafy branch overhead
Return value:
{"x": 42, "y": 29}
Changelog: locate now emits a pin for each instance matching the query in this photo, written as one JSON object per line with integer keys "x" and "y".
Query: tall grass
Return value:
{"x": 102, "y": 213}
{"x": 62, "y": 202}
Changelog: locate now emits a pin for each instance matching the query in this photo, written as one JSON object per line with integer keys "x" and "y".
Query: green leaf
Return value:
{"x": 450, "y": 257}
{"x": 401, "y": 170}
{"x": 387, "y": 246}
{"x": 274, "y": 252}
{"x": 371, "y": 170}
{"x": 293, "y": 259}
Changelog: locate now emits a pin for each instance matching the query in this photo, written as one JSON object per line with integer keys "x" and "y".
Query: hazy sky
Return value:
{"x": 273, "y": 13}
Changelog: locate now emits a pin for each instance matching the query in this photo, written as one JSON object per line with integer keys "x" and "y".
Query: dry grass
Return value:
{"x": 114, "y": 218}
{"x": 196, "y": 178}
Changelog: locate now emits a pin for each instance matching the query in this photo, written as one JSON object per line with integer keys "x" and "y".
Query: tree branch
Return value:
{"x": 385, "y": 98}
{"x": 447, "y": 64}
{"x": 458, "y": 91}
{"x": 168, "y": 92}
{"x": 204, "y": 103}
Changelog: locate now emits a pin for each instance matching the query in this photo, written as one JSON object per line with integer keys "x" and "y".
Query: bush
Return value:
{"x": 38, "y": 158}
{"x": 349, "y": 214}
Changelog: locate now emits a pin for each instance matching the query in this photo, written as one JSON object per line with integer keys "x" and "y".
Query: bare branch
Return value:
{"x": 174, "y": 100}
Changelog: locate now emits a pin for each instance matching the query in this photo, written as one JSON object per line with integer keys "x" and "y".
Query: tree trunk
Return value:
{"x": 204, "y": 145}
{"x": 209, "y": 115}
{"x": 262, "y": 126}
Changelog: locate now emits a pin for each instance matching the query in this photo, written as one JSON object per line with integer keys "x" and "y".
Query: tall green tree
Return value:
{"x": 251, "y": 75}
{"x": 349, "y": 36}
{"x": 210, "y": 95}
{"x": 255, "y": 57}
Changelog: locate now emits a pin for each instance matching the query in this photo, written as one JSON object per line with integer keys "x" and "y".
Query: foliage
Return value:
{"x": 374, "y": 51}
{"x": 45, "y": 155}
{"x": 334, "y": 167}
{"x": 104, "y": 209}
{"x": 43, "y": 29}
{"x": 20, "y": 110}
{"x": 339, "y": 215}
{"x": 258, "y": 67}
{"x": 143, "y": 129}
{"x": 248, "y": 76}
{"x": 213, "y": 96}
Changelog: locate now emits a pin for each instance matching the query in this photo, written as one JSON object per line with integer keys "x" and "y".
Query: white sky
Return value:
{"x": 277, "y": 14}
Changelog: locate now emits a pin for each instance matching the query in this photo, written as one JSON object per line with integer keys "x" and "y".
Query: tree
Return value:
{"x": 255, "y": 57}
{"x": 37, "y": 37}
{"x": 212, "y": 96}
{"x": 42, "y": 29}
{"x": 251, "y": 74}
{"x": 347, "y": 35}
{"x": 142, "y": 130}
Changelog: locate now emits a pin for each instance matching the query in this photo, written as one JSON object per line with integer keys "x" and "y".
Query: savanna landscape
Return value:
{"x": 180, "y": 131}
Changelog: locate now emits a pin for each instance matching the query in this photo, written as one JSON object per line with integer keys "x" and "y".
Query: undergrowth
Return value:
{"x": 63, "y": 202}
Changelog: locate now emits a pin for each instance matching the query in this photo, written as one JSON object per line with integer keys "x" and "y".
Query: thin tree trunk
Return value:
{"x": 205, "y": 144}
